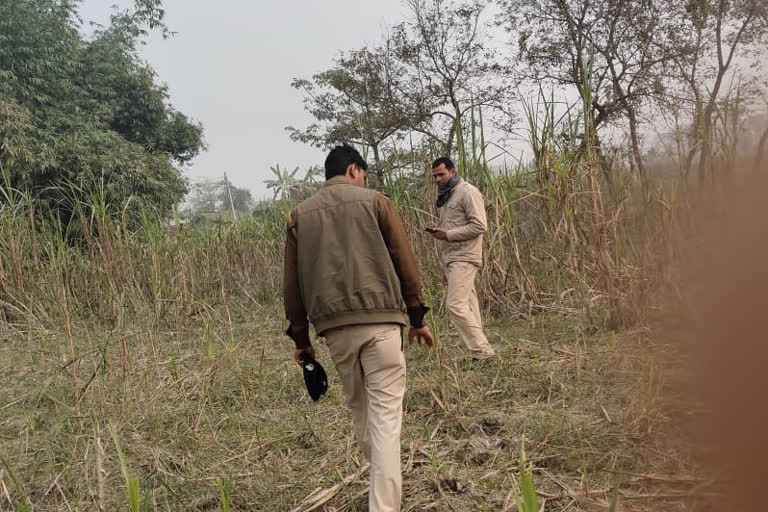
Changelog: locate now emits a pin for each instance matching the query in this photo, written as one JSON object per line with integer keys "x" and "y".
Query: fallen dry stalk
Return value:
{"x": 320, "y": 497}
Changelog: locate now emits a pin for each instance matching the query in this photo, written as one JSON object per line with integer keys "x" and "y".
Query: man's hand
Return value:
{"x": 440, "y": 234}
{"x": 300, "y": 353}
{"x": 421, "y": 335}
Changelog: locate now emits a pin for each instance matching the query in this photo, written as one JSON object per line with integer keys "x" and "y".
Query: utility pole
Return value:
{"x": 229, "y": 193}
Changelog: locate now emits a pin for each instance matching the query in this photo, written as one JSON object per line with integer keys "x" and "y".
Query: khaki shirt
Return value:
{"x": 464, "y": 221}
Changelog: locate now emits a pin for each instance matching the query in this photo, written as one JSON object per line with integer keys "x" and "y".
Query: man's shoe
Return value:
{"x": 315, "y": 378}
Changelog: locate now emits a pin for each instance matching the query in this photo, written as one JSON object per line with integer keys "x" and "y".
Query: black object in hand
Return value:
{"x": 430, "y": 230}
{"x": 315, "y": 378}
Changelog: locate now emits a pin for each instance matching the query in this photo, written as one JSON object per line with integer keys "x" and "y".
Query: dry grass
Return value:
{"x": 218, "y": 404}
{"x": 172, "y": 346}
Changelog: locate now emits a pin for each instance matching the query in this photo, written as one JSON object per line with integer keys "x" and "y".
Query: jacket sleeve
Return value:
{"x": 295, "y": 312}
{"x": 474, "y": 208}
{"x": 403, "y": 259}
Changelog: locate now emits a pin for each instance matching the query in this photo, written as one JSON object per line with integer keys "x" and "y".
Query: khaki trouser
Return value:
{"x": 464, "y": 309}
{"x": 369, "y": 360}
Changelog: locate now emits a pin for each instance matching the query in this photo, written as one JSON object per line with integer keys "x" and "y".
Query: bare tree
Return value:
{"x": 610, "y": 51}
{"x": 722, "y": 38}
{"x": 415, "y": 88}
{"x": 455, "y": 71}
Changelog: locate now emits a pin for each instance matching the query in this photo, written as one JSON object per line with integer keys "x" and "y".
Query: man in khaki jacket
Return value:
{"x": 350, "y": 271}
{"x": 461, "y": 211}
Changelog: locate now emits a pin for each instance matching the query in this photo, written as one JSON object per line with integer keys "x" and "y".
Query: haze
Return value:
{"x": 230, "y": 66}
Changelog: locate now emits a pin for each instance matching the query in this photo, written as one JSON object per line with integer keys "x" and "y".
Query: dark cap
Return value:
{"x": 314, "y": 377}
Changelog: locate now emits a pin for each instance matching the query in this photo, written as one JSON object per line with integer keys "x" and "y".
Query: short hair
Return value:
{"x": 443, "y": 160}
{"x": 339, "y": 158}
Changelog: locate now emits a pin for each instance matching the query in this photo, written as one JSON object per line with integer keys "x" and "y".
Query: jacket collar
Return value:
{"x": 337, "y": 180}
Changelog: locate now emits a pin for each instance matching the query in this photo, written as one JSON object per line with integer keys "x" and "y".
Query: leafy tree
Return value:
{"x": 241, "y": 198}
{"x": 285, "y": 183}
{"x": 206, "y": 196}
{"x": 360, "y": 101}
{"x": 416, "y": 88}
{"x": 213, "y": 196}
{"x": 445, "y": 48}
{"x": 310, "y": 183}
{"x": 79, "y": 118}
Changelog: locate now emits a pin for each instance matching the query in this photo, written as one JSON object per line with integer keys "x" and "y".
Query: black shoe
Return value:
{"x": 315, "y": 378}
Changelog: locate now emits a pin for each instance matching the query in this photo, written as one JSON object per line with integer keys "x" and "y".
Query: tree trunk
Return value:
{"x": 605, "y": 165}
{"x": 460, "y": 147}
{"x": 636, "y": 150}
{"x": 760, "y": 163}
{"x": 378, "y": 170}
{"x": 706, "y": 144}
{"x": 448, "y": 146}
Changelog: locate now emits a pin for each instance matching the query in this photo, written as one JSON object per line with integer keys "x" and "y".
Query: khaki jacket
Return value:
{"x": 348, "y": 261}
{"x": 463, "y": 218}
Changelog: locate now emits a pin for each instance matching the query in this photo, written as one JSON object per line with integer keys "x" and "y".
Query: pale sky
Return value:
{"x": 230, "y": 66}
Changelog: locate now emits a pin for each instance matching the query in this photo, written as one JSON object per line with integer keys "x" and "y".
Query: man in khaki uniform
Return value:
{"x": 461, "y": 211}
{"x": 350, "y": 271}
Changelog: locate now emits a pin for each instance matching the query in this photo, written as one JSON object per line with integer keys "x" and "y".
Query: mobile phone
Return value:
{"x": 430, "y": 230}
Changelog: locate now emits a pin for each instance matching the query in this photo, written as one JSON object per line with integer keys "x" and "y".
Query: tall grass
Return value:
{"x": 565, "y": 235}
{"x": 114, "y": 275}
{"x": 554, "y": 244}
